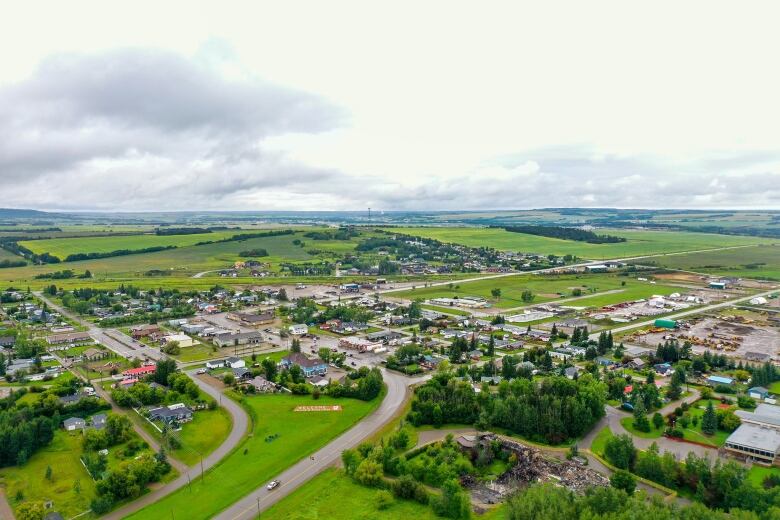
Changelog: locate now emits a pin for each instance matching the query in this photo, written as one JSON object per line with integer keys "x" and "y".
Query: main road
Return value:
{"x": 298, "y": 474}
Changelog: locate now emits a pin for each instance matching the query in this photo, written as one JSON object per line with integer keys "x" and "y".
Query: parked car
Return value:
{"x": 201, "y": 371}
{"x": 273, "y": 484}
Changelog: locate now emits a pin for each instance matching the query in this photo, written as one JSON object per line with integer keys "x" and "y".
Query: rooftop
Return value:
{"x": 753, "y": 436}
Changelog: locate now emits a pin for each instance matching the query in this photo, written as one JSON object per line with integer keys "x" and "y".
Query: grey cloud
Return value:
{"x": 137, "y": 128}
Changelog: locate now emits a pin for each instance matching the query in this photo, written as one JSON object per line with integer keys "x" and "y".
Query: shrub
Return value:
{"x": 384, "y": 499}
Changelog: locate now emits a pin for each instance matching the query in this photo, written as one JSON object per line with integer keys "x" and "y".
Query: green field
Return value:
{"x": 257, "y": 461}
{"x": 7, "y": 255}
{"x": 334, "y": 495}
{"x": 638, "y": 242}
{"x": 62, "y": 247}
{"x": 199, "y": 437}
{"x": 748, "y": 262}
{"x": 547, "y": 288}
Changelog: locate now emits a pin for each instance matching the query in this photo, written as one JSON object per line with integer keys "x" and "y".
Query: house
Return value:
{"x": 758, "y": 392}
{"x": 475, "y": 354}
{"x": 241, "y": 374}
{"x": 74, "y": 423}
{"x": 70, "y": 399}
{"x": 215, "y": 363}
{"x": 663, "y": 369}
{"x": 605, "y": 362}
{"x": 177, "y": 413}
{"x": 93, "y": 354}
{"x": 134, "y": 374}
{"x": 182, "y": 339}
{"x": 299, "y": 329}
{"x": 571, "y": 372}
{"x": 70, "y": 338}
{"x": 7, "y": 341}
{"x": 719, "y": 380}
{"x": 596, "y": 268}
{"x": 233, "y": 339}
{"x": 637, "y": 363}
{"x": 17, "y": 365}
{"x": 143, "y": 331}
{"x": 234, "y": 362}
{"x": 310, "y": 367}
{"x": 99, "y": 421}
{"x": 319, "y": 381}
{"x": 430, "y": 362}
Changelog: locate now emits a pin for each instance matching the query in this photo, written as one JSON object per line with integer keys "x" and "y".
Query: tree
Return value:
{"x": 296, "y": 345}
{"x": 324, "y": 354}
{"x": 165, "y": 367}
{"x": 30, "y": 511}
{"x": 369, "y": 473}
{"x": 527, "y": 296}
{"x": 640, "y": 417}
{"x": 491, "y": 350}
{"x": 48, "y": 472}
{"x": 620, "y": 452}
{"x": 282, "y": 297}
{"x": 709, "y": 421}
{"x": 624, "y": 480}
{"x": 269, "y": 368}
{"x": 496, "y": 293}
{"x": 658, "y": 420}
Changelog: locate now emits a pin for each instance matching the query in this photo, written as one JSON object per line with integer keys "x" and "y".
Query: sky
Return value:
{"x": 168, "y": 106}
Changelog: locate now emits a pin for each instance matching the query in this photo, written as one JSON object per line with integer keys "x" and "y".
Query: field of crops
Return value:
{"x": 747, "y": 262}
{"x": 638, "y": 242}
{"x": 596, "y": 290}
{"x": 62, "y": 247}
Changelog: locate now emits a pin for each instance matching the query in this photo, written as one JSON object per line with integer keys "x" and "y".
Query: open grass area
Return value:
{"x": 654, "y": 433}
{"x": 62, "y": 455}
{"x": 256, "y": 461}
{"x": 600, "y": 442}
{"x": 332, "y": 494}
{"x": 199, "y": 437}
{"x": 747, "y": 262}
{"x": 757, "y": 474}
{"x": 637, "y": 242}
{"x": 446, "y": 310}
{"x": 547, "y": 288}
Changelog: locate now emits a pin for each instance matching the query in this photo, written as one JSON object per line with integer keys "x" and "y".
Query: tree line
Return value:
{"x": 565, "y": 233}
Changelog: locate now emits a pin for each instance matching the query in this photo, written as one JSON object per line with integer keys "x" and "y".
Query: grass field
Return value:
{"x": 199, "y": 437}
{"x": 654, "y": 433}
{"x": 637, "y": 242}
{"x": 334, "y": 495}
{"x": 257, "y": 461}
{"x": 600, "y": 442}
{"x": 747, "y": 262}
{"x": 547, "y": 288}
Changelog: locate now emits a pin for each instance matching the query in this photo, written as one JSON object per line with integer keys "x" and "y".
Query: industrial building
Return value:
{"x": 758, "y": 437}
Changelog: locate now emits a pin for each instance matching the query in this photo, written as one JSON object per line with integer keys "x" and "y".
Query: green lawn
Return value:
{"x": 257, "y": 461}
{"x": 334, "y": 495}
{"x": 637, "y": 242}
{"x": 199, "y": 437}
{"x": 548, "y": 288}
{"x": 600, "y": 442}
{"x": 446, "y": 310}
{"x": 694, "y": 433}
{"x": 757, "y": 474}
{"x": 654, "y": 433}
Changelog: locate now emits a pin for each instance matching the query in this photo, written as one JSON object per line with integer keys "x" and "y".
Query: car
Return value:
{"x": 273, "y": 485}
{"x": 353, "y": 364}
{"x": 201, "y": 371}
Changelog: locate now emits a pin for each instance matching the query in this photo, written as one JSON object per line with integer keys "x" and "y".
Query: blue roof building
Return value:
{"x": 720, "y": 380}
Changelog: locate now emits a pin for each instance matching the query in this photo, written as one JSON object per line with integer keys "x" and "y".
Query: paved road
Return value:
{"x": 115, "y": 340}
{"x": 261, "y": 499}
{"x": 240, "y": 427}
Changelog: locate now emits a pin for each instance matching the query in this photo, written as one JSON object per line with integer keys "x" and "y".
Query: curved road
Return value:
{"x": 261, "y": 499}
{"x": 240, "y": 426}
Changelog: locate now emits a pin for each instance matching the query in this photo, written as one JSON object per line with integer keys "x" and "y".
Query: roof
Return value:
{"x": 301, "y": 360}
{"x": 7, "y": 340}
{"x": 758, "y": 390}
{"x": 140, "y": 370}
{"x": 766, "y": 414}
{"x": 73, "y": 420}
{"x": 720, "y": 379}
{"x": 753, "y": 436}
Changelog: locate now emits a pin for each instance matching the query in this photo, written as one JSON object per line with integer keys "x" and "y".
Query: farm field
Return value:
{"x": 258, "y": 460}
{"x": 638, "y": 242}
{"x": 547, "y": 288}
{"x": 6, "y": 255}
{"x": 333, "y": 494}
{"x": 62, "y": 247}
{"x": 749, "y": 262}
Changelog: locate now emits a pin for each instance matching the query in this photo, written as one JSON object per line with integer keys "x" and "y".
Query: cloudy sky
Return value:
{"x": 419, "y": 105}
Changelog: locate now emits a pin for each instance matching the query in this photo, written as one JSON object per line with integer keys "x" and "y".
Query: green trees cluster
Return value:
{"x": 548, "y": 502}
{"x": 128, "y": 480}
{"x": 719, "y": 485}
{"x": 552, "y": 410}
{"x": 565, "y": 233}
{"x": 116, "y": 431}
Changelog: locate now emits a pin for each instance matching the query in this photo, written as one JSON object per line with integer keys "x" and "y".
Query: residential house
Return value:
{"x": 299, "y": 329}
{"x": 637, "y": 364}
{"x": 99, "y": 421}
{"x": 142, "y": 331}
{"x": 7, "y": 341}
{"x": 241, "y": 374}
{"x": 663, "y": 369}
{"x": 215, "y": 363}
{"x": 571, "y": 372}
{"x": 74, "y": 423}
{"x": 758, "y": 392}
{"x": 310, "y": 367}
{"x": 175, "y": 413}
{"x": 261, "y": 384}
{"x": 719, "y": 380}
{"x": 234, "y": 362}
{"x": 182, "y": 339}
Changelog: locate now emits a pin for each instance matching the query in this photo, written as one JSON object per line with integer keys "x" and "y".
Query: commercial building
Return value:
{"x": 758, "y": 437}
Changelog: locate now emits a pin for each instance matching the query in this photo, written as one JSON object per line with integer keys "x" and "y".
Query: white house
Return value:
{"x": 299, "y": 329}
{"x": 183, "y": 339}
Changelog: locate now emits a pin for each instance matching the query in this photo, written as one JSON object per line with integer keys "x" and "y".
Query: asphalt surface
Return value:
{"x": 261, "y": 498}
{"x": 240, "y": 427}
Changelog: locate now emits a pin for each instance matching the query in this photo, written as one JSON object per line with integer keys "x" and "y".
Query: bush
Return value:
{"x": 384, "y": 499}
{"x": 624, "y": 480}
